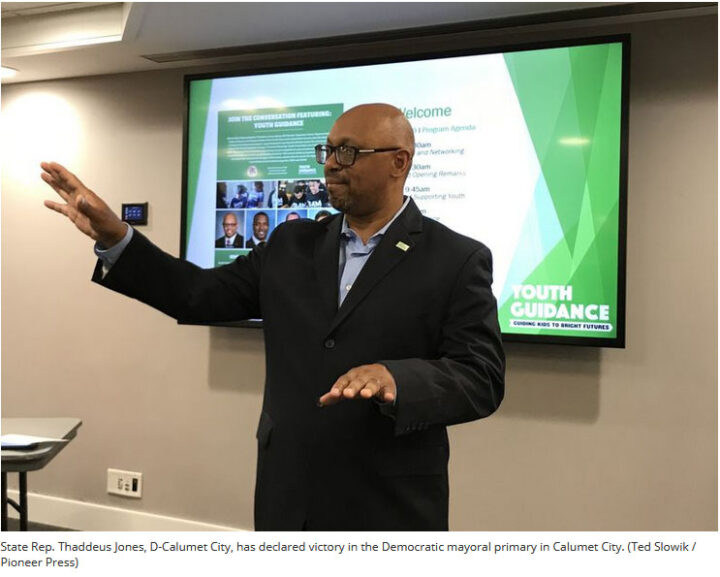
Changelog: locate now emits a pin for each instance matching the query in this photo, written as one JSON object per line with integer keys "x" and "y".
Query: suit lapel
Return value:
{"x": 327, "y": 254}
{"x": 395, "y": 245}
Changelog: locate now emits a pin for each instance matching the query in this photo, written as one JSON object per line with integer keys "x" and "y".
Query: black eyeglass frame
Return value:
{"x": 329, "y": 149}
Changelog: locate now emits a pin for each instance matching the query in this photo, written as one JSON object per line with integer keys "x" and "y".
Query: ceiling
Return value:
{"x": 47, "y": 40}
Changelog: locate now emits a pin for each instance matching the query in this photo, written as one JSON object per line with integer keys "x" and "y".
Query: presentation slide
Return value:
{"x": 521, "y": 151}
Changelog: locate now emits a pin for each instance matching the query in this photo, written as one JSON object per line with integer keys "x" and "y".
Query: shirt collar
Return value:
{"x": 347, "y": 232}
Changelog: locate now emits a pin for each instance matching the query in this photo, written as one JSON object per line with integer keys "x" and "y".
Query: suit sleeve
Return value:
{"x": 183, "y": 290}
{"x": 467, "y": 381}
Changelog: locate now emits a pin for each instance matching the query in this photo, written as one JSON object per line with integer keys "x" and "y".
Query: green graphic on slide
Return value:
{"x": 223, "y": 257}
{"x": 200, "y": 100}
{"x": 273, "y": 143}
{"x": 571, "y": 103}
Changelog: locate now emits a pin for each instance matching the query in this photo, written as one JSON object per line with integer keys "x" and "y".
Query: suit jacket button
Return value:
{"x": 330, "y": 344}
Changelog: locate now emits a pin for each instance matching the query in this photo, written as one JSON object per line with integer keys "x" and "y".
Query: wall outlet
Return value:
{"x": 125, "y": 483}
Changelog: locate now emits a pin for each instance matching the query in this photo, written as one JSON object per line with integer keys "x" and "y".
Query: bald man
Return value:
{"x": 396, "y": 318}
{"x": 231, "y": 237}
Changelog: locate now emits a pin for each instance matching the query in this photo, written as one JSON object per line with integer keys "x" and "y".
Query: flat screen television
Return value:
{"x": 523, "y": 149}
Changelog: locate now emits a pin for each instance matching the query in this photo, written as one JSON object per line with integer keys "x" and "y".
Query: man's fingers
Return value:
{"x": 56, "y": 206}
{"x": 374, "y": 388}
{"x": 340, "y": 385}
{"x": 80, "y": 201}
{"x": 370, "y": 389}
{"x": 387, "y": 395}
{"x": 66, "y": 184}
{"x": 51, "y": 181}
{"x": 65, "y": 209}
{"x": 66, "y": 179}
{"x": 354, "y": 387}
{"x": 335, "y": 393}
{"x": 61, "y": 179}
{"x": 52, "y": 175}
{"x": 358, "y": 381}
{"x": 328, "y": 399}
{"x": 363, "y": 382}
{"x": 83, "y": 207}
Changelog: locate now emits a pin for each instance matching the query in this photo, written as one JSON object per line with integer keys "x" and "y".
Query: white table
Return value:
{"x": 31, "y": 460}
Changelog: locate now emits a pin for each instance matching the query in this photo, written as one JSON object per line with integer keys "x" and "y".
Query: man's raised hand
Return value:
{"x": 82, "y": 206}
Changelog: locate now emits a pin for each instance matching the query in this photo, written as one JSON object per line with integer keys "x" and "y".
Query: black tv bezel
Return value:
{"x": 327, "y": 63}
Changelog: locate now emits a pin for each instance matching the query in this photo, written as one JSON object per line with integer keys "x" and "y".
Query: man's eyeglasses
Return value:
{"x": 344, "y": 155}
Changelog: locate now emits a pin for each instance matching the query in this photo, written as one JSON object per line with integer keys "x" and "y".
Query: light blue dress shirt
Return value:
{"x": 354, "y": 254}
{"x": 109, "y": 256}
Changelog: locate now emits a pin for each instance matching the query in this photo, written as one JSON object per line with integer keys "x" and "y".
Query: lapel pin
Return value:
{"x": 402, "y": 246}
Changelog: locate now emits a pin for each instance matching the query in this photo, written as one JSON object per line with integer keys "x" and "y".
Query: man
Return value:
{"x": 257, "y": 197}
{"x": 316, "y": 195}
{"x": 221, "y": 195}
{"x": 231, "y": 238}
{"x": 261, "y": 225}
{"x": 292, "y": 216}
{"x": 240, "y": 200}
{"x": 398, "y": 325}
{"x": 299, "y": 197}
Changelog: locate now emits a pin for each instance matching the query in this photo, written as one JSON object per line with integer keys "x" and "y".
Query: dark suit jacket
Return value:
{"x": 251, "y": 243}
{"x": 427, "y": 313}
{"x": 239, "y": 242}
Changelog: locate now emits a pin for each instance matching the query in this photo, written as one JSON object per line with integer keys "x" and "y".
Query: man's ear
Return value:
{"x": 401, "y": 162}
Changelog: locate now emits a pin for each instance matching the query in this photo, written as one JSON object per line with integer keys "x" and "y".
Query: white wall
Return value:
{"x": 586, "y": 439}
